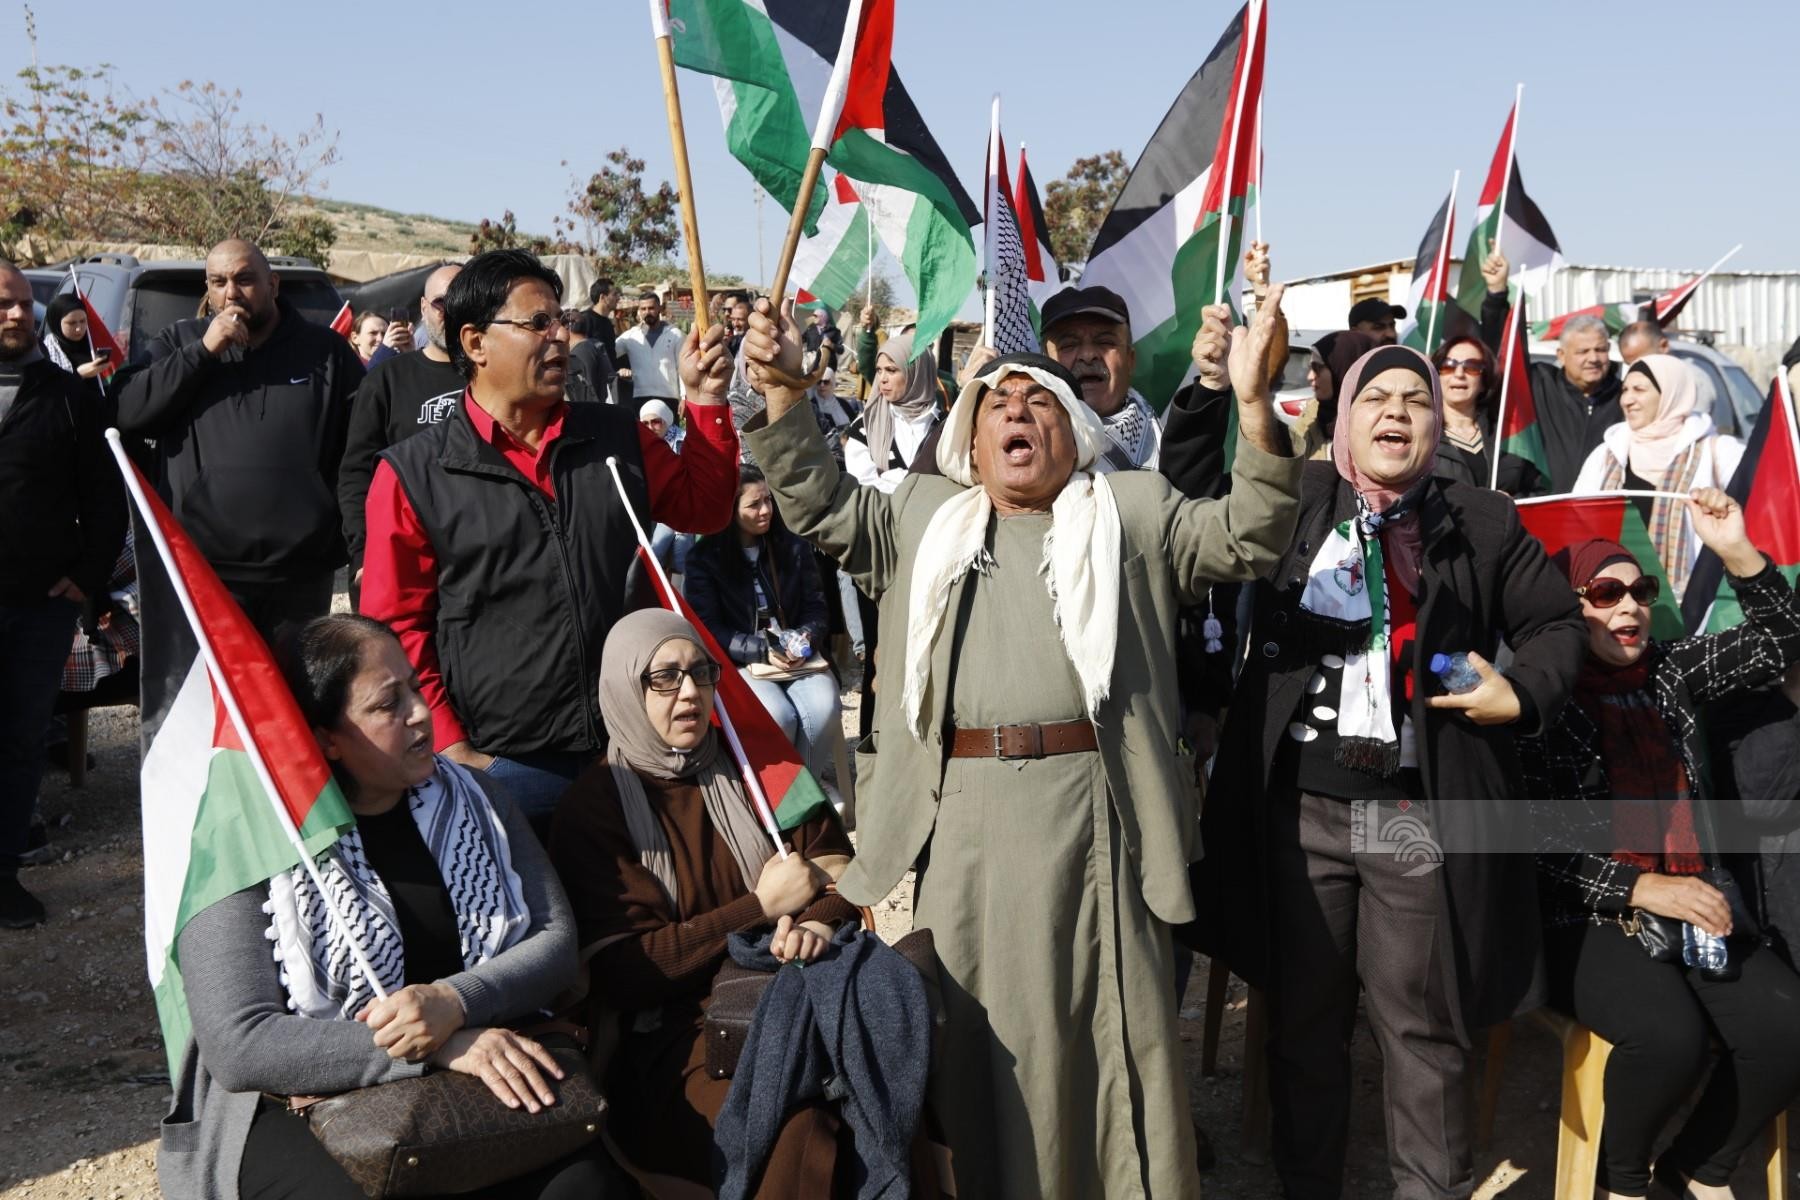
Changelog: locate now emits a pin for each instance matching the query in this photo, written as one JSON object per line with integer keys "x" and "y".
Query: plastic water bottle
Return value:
{"x": 1455, "y": 672}
{"x": 1702, "y": 950}
{"x": 796, "y": 643}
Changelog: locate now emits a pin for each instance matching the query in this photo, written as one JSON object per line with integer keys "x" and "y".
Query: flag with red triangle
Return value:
{"x": 1011, "y": 331}
{"x": 99, "y": 337}
{"x": 1516, "y": 426}
{"x": 344, "y": 322}
{"x": 211, "y": 827}
{"x": 1559, "y": 521}
{"x": 1663, "y": 308}
{"x": 1428, "y": 317}
{"x": 794, "y": 794}
{"x": 1522, "y": 232}
{"x": 1034, "y": 231}
{"x": 1767, "y": 485}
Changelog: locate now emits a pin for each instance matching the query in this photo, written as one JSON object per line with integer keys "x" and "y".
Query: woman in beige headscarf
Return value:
{"x": 883, "y": 444}
{"x": 1662, "y": 445}
{"x": 663, "y": 858}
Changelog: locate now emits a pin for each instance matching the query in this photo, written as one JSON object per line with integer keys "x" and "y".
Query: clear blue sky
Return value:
{"x": 1654, "y": 133}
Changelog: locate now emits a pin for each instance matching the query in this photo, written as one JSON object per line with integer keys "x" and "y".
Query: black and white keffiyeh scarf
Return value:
{"x": 1134, "y": 435}
{"x": 470, "y": 846}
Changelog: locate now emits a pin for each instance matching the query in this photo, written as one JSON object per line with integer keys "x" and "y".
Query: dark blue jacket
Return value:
{"x": 720, "y": 588}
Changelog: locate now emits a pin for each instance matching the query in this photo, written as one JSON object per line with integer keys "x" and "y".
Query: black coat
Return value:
{"x": 1484, "y": 580}
{"x": 720, "y": 587}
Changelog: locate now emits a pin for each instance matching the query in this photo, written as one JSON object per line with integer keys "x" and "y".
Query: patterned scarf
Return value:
{"x": 1135, "y": 436}
{"x": 469, "y": 845}
{"x": 1670, "y": 531}
{"x": 1346, "y": 596}
{"x": 1652, "y": 803}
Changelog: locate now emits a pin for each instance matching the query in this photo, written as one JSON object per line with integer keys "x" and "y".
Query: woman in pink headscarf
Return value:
{"x": 1662, "y": 445}
{"x": 1357, "y": 815}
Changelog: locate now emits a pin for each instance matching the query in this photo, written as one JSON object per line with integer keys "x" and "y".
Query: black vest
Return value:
{"x": 528, "y": 587}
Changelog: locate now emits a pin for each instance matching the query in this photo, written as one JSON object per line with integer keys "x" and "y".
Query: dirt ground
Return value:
{"x": 83, "y": 1078}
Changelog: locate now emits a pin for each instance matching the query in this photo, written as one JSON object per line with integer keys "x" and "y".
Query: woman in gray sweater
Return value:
{"x": 457, "y": 910}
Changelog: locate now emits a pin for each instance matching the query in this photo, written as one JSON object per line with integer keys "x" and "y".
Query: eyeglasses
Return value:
{"x": 1605, "y": 592}
{"x": 668, "y": 679}
{"x": 538, "y": 323}
{"x": 437, "y": 303}
{"x": 1469, "y": 366}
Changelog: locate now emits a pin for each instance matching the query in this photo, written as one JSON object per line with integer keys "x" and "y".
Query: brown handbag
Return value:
{"x": 445, "y": 1133}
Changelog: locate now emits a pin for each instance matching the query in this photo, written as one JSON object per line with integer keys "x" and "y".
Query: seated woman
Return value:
{"x": 664, "y": 858}
{"x": 1469, "y": 377}
{"x": 755, "y": 578}
{"x": 1662, "y": 445}
{"x": 462, "y": 915}
{"x": 1630, "y": 837}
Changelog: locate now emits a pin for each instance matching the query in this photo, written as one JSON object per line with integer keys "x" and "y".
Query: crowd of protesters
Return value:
{"x": 1090, "y": 608}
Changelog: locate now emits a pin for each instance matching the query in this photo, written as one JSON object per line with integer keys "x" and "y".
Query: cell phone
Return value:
{"x": 102, "y": 354}
{"x": 401, "y": 315}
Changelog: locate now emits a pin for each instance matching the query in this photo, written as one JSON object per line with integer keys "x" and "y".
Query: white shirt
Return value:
{"x": 655, "y": 370}
{"x": 909, "y": 434}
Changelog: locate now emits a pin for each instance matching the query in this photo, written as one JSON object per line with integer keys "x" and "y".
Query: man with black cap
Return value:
{"x": 1377, "y": 318}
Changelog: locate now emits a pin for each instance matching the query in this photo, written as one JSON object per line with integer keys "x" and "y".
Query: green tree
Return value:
{"x": 1076, "y": 204}
{"x": 882, "y": 290}
{"x": 627, "y": 225}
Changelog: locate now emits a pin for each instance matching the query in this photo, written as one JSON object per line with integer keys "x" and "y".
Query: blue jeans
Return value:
{"x": 671, "y": 548}
{"x": 852, "y": 611}
{"x": 34, "y": 644}
{"x": 804, "y": 708}
{"x": 537, "y": 780}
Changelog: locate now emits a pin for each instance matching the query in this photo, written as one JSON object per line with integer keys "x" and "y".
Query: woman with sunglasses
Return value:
{"x": 1467, "y": 373}
{"x": 663, "y": 858}
{"x": 1662, "y": 445}
{"x": 1622, "y": 816}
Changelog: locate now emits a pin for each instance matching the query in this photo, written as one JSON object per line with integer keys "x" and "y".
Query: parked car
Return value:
{"x": 45, "y": 283}
{"x": 1292, "y": 391}
{"x": 138, "y": 300}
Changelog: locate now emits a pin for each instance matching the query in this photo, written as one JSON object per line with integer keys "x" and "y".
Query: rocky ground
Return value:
{"x": 83, "y": 1078}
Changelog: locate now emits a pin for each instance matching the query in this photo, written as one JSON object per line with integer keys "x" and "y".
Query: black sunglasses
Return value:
{"x": 1605, "y": 591}
{"x": 668, "y": 679}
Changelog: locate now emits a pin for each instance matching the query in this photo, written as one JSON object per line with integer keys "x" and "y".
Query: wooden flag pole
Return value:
{"x": 1441, "y": 265}
{"x": 684, "y": 180}
{"x": 809, "y": 183}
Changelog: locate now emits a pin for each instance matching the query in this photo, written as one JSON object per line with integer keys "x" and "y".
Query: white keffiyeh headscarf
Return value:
{"x": 1081, "y": 552}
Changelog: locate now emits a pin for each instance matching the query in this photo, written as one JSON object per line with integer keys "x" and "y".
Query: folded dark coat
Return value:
{"x": 854, "y": 1026}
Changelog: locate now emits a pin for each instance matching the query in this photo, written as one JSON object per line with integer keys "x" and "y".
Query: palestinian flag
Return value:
{"x": 1517, "y": 423}
{"x": 1559, "y": 521}
{"x": 99, "y": 337}
{"x": 1616, "y": 316}
{"x": 1429, "y": 299}
{"x": 345, "y": 321}
{"x": 1010, "y": 327}
{"x": 1767, "y": 485}
{"x": 1523, "y": 235}
{"x": 793, "y": 793}
{"x": 830, "y": 264}
{"x": 1034, "y": 232}
{"x": 875, "y": 135}
{"x": 1191, "y": 187}
{"x": 211, "y": 825}
{"x": 1663, "y": 308}
{"x": 766, "y": 129}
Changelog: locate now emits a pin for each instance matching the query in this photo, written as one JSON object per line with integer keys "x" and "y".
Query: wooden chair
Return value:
{"x": 1253, "y": 1128}
{"x": 1584, "y": 1055}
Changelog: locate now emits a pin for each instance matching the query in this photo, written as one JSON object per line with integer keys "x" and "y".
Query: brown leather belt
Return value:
{"x": 1024, "y": 741}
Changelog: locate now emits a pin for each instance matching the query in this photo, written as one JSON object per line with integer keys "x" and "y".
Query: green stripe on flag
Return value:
{"x": 802, "y": 801}
{"x": 1727, "y": 612}
{"x": 237, "y": 842}
{"x": 1166, "y": 353}
{"x": 1471, "y": 288}
{"x": 1666, "y": 624}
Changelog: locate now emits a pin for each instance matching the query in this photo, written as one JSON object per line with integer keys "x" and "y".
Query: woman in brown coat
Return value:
{"x": 663, "y": 858}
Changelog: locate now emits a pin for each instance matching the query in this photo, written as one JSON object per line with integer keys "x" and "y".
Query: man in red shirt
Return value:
{"x": 498, "y": 548}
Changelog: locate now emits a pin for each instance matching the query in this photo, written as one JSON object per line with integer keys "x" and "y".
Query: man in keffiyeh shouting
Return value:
{"x": 1027, "y": 754}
